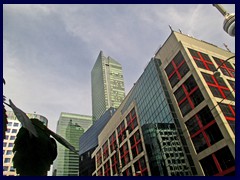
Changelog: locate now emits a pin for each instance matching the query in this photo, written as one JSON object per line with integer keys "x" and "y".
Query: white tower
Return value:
{"x": 229, "y": 20}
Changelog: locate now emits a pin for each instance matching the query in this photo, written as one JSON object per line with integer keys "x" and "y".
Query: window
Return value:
{"x": 232, "y": 84}
{"x": 202, "y": 60}
{"x": 203, "y": 129}
{"x": 220, "y": 163}
{"x": 128, "y": 172}
{"x": 12, "y": 137}
{"x": 10, "y": 145}
{"x": 226, "y": 68}
{"x": 7, "y": 160}
{"x": 15, "y": 124}
{"x": 5, "y": 168}
{"x": 121, "y": 132}
{"x": 229, "y": 113}
{"x": 105, "y": 150}
{"x": 136, "y": 145}
{"x": 199, "y": 142}
{"x": 218, "y": 87}
{"x": 140, "y": 167}
{"x": 9, "y": 152}
{"x": 188, "y": 96}
{"x": 176, "y": 69}
{"x": 131, "y": 121}
{"x": 209, "y": 166}
{"x": 225, "y": 158}
{"x": 14, "y": 130}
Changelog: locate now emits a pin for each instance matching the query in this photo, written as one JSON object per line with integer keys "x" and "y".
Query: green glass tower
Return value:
{"x": 107, "y": 85}
{"x": 71, "y": 127}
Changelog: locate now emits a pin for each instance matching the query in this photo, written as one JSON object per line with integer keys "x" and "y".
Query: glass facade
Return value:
{"x": 107, "y": 85}
{"x": 167, "y": 154}
{"x": 71, "y": 127}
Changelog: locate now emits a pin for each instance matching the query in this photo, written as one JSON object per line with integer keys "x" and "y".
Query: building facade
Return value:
{"x": 178, "y": 119}
{"x": 70, "y": 126}
{"x": 143, "y": 137}
{"x": 13, "y": 127}
{"x": 204, "y": 103}
{"x": 107, "y": 85}
{"x": 89, "y": 141}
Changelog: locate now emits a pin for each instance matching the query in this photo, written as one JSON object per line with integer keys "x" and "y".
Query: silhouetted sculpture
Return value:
{"x": 34, "y": 155}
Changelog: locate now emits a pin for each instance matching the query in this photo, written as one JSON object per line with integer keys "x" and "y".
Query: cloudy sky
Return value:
{"x": 49, "y": 50}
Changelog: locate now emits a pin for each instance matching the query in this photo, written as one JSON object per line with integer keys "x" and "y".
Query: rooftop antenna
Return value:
{"x": 170, "y": 28}
{"x": 226, "y": 47}
{"x": 180, "y": 31}
{"x": 229, "y": 20}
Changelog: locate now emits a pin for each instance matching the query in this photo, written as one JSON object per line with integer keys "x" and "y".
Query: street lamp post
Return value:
{"x": 217, "y": 73}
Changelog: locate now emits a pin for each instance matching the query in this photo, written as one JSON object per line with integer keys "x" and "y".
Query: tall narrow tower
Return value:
{"x": 107, "y": 85}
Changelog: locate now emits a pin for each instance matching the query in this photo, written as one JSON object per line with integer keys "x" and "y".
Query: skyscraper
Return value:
{"x": 71, "y": 127}
{"x": 179, "y": 117}
{"x": 13, "y": 127}
{"x": 107, "y": 85}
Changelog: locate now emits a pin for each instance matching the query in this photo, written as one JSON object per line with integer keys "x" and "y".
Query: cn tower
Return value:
{"x": 229, "y": 20}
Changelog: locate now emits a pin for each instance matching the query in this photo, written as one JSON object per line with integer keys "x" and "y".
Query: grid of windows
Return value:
{"x": 202, "y": 60}
{"x": 229, "y": 113}
{"x": 122, "y": 151}
{"x": 203, "y": 129}
{"x": 176, "y": 69}
{"x": 218, "y": 87}
{"x": 225, "y": 67}
{"x": 220, "y": 163}
{"x": 188, "y": 95}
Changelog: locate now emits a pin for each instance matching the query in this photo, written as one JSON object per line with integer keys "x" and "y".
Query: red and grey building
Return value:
{"x": 178, "y": 119}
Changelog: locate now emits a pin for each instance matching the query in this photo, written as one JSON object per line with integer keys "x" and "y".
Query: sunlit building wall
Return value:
{"x": 107, "y": 85}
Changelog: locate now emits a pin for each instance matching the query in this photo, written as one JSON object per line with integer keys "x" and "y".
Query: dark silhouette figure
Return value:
{"x": 34, "y": 155}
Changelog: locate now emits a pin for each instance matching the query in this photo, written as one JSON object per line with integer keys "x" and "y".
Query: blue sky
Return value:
{"x": 49, "y": 50}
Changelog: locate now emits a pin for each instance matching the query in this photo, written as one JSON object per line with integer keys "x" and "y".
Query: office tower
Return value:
{"x": 70, "y": 126}
{"x": 13, "y": 127}
{"x": 178, "y": 119}
{"x": 143, "y": 138}
{"x": 204, "y": 102}
{"x": 89, "y": 141}
{"x": 107, "y": 85}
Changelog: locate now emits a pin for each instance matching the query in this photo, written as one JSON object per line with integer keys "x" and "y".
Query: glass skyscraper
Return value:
{"x": 71, "y": 127}
{"x": 107, "y": 85}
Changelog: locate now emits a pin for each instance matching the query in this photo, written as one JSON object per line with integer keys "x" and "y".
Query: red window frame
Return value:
{"x": 176, "y": 68}
{"x": 99, "y": 158}
{"x": 105, "y": 150}
{"x": 188, "y": 94}
{"x": 131, "y": 120}
{"x": 113, "y": 142}
{"x": 200, "y": 57}
{"x": 216, "y": 84}
{"x": 225, "y": 67}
